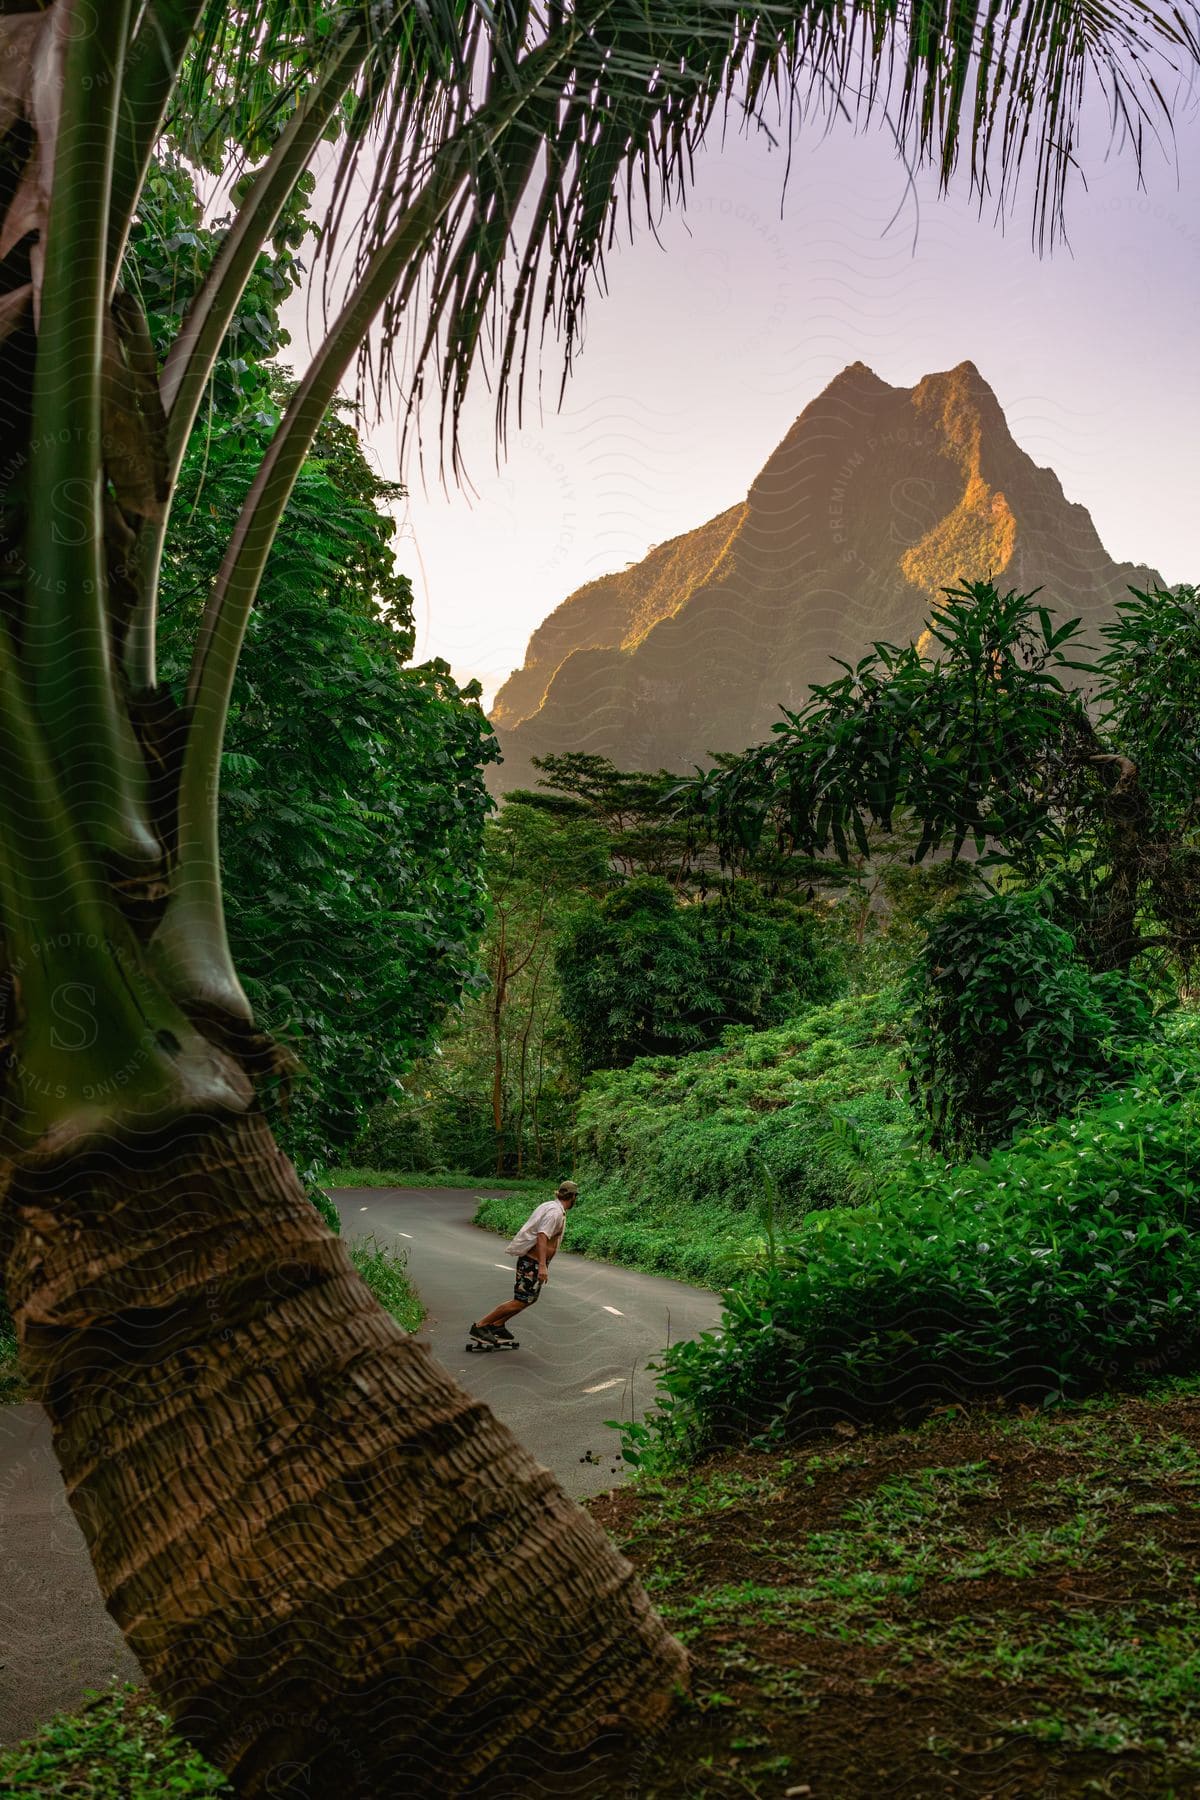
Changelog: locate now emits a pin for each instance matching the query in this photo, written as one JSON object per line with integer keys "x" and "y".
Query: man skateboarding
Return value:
{"x": 535, "y": 1247}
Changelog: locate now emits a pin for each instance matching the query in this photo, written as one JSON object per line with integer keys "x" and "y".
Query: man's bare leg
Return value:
{"x": 500, "y": 1315}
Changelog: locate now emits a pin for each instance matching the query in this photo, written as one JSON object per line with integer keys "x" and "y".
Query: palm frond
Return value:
{"x": 609, "y": 132}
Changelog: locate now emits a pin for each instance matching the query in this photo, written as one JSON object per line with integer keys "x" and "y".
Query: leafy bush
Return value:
{"x": 671, "y": 1153}
{"x": 384, "y": 1268}
{"x": 1009, "y": 1025}
{"x": 643, "y": 975}
{"x": 119, "y": 1746}
{"x": 1068, "y": 1263}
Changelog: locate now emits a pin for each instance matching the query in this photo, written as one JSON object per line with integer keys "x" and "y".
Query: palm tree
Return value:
{"x": 333, "y": 1565}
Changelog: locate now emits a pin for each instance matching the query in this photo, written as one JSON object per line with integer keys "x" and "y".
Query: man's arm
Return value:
{"x": 543, "y": 1252}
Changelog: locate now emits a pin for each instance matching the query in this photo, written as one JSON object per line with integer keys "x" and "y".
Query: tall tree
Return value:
{"x": 352, "y": 800}
{"x": 1087, "y": 794}
{"x": 635, "y": 810}
{"x": 321, "y": 1550}
{"x": 352, "y": 803}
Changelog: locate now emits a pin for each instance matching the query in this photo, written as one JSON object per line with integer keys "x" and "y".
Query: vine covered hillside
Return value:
{"x": 677, "y": 1155}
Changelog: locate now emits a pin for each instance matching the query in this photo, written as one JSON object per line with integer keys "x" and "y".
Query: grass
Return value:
{"x": 993, "y": 1603}
{"x": 118, "y": 1746}
{"x": 384, "y": 1268}
{"x": 405, "y": 1178}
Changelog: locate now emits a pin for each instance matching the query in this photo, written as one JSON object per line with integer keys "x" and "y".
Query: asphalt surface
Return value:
{"x": 582, "y": 1360}
{"x": 584, "y": 1346}
{"x": 56, "y": 1640}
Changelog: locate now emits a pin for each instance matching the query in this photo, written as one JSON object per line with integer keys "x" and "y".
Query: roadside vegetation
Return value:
{"x": 682, "y": 1160}
{"x": 990, "y": 1603}
{"x": 1058, "y": 1267}
{"x": 351, "y": 1178}
{"x": 384, "y": 1268}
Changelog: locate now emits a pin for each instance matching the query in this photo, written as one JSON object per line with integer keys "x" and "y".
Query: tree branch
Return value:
{"x": 1127, "y": 776}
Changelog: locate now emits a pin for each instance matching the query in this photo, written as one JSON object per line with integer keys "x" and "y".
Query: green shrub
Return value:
{"x": 1009, "y": 1025}
{"x": 1068, "y": 1263}
{"x": 643, "y": 975}
{"x": 384, "y": 1268}
{"x": 118, "y": 1746}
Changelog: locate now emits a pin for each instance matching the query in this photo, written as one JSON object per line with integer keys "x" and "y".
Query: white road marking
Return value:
{"x": 616, "y": 1381}
{"x": 505, "y": 1266}
{"x": 362, "y": 1209}
{"x": 612, "y": 1309}
{"x": 400, "y": 1233}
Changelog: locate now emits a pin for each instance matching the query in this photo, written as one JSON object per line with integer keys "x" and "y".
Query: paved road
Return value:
{"x": 582, "y": 1360}
{"x": 56, "y": 1640}
{"x": 584, "y": 1346}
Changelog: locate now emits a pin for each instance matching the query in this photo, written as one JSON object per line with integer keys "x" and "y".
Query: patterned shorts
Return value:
{"x": 527, "y": 1287}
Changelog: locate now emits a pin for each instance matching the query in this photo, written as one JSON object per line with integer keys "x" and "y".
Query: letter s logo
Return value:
{"x": 914, "y": 509}
{"x": 74, "y": 511}
{"x": 74, "y": 1005}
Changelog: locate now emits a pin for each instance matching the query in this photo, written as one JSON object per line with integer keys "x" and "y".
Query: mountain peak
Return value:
{"x": 963, "y": 383}
{"x": 877, "y": 499}
{"x": 857, "y": 375}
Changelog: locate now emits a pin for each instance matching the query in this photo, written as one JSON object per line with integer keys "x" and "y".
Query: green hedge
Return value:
{"x": 1063, "y": 1265}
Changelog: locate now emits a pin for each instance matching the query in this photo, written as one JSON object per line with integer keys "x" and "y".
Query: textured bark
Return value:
{"x": 341, "y": 1573}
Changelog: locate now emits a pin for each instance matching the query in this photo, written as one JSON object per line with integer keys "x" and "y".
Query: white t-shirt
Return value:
{"x": 550, "y": 1217}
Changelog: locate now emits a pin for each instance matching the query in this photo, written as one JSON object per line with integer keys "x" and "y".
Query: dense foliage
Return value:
{"x": 498, "y": 1092}
{"x": 591, "y": 959}
{"x": 1009, "y": 1024}
{"x": 352, "y": 797}
{"x": 642, "y": 975}
{"x": 1067, "y": 1263}
{"x": 678, "y": 1156}
{"x": 984, "y": 746}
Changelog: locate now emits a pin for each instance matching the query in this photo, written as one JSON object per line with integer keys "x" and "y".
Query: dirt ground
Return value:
{"x": 993, "y": 1605}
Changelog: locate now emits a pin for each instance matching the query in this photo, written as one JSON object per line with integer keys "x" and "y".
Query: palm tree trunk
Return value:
{"x": 329, "y": 1560}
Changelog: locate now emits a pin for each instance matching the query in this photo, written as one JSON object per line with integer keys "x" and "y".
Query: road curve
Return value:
{"x": 584, "y": 1346}
{"x": 582, "y": 1360}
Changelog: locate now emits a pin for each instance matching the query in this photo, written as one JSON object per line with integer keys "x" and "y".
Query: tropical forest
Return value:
{"x": 784, "y": 972}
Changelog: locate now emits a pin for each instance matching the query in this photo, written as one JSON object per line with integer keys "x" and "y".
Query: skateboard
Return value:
{"x": 474, "y": 1344}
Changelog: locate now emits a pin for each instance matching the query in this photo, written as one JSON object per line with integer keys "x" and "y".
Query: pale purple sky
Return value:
{"x": 708, "y": 345}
